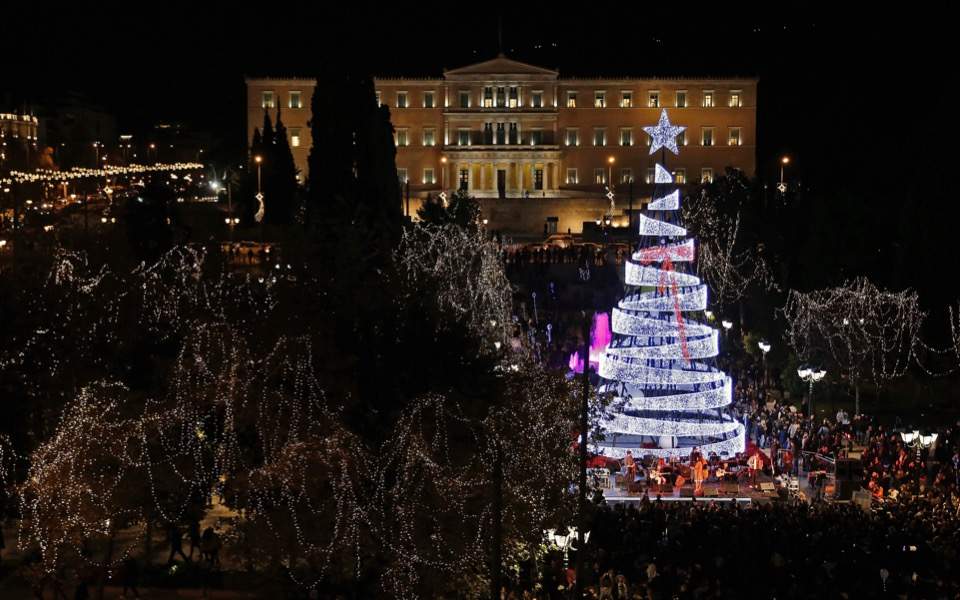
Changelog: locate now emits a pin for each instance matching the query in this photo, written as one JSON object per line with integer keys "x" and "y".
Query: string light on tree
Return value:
{"x": 868, "y": 333}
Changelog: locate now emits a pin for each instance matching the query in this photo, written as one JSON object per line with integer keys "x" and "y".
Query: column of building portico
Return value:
{"x": 504, "y": 166}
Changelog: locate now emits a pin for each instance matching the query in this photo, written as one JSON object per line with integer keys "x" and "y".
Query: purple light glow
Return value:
{"x": 600, "y": 336}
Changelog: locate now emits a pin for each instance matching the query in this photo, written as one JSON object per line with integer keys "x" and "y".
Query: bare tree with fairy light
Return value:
{"x": 867, "y": 333}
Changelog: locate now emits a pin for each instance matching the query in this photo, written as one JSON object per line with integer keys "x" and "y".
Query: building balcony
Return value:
{"x": 531, "y": 138}
{"x": 499, "y": 110}
{"x": 503, "y": 147}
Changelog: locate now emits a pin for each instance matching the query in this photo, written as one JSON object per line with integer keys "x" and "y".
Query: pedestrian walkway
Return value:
{"x": 112, "y": 593}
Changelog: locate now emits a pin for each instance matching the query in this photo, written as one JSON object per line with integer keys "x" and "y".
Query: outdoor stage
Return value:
{"x": 766, "y": 489}
{"x": 735, "y": 483}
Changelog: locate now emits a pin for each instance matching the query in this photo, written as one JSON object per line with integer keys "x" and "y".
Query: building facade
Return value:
{"x": 18, "y": 140}
{"x": 510, "y": 132}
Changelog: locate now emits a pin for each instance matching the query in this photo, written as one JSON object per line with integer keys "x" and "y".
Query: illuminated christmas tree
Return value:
{"x": 669, "y": 397}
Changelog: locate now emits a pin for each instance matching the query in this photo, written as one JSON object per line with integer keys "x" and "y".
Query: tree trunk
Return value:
{"x": 496, "y": 552}
{"x": 856, "y": 399}
{"x": 103, "y": 570}
{"x": 582, "y": 483}
{"x": 148, "y": 543}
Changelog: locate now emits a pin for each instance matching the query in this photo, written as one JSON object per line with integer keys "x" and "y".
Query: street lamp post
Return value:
{"x": 727, "y": 325}
{"x": 258, "y": 217}
{"x": 610, "y": 195}
{"x": 565, "y": 542}
{"x": 582, "y": 467}
{"x": 918, "y": 440}
{"x": 231, "y": 222}
{"x": 443, "y": 180}
{"x": 811, "y": 375}
{"x": 782, "y": 186}
{"x": 764, "y": 348}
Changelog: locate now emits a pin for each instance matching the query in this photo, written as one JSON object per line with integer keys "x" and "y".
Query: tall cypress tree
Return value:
{"x": 284, "y": 173}
{"x": 268, "y": 166}
{"x": 267, "y": 134}
{"x": 379, "y": 189}
{"x": 256, "y": 146}
{"x": 330, "y": 179}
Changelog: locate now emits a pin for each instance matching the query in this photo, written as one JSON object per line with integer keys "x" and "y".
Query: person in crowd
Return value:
{"x": 175, "y": 540}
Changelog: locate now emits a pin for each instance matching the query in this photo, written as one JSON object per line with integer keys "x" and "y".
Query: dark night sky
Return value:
{"x": 187, "y": 63}
{"x": 860, "y": 103}
{"x": 837, "y": 94}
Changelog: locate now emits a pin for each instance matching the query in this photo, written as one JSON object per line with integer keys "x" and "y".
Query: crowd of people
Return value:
{"x": 798, "y": 442}
{"x": 903, "y": 545}
{"x": 519, "y": 256}
{"x": 706, "y": 550}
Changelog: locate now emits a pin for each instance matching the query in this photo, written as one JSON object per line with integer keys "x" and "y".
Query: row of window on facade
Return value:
{"x": 600, "y": 176}
{"x": 510, "y": 97}
{"x": 268, "y": 99}
{"x": 625, "y": 175}
{"x": 707, "y": 137}
{"x": 508, "y": 133}
{"x": 429, "y": 177}
{"x": 293, "y": 136}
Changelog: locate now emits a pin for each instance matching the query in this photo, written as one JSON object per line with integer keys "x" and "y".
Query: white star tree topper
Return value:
{"x": 664, "y": 134}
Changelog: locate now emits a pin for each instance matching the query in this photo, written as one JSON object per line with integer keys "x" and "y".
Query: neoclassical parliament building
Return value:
{"x": 540, "y": 151}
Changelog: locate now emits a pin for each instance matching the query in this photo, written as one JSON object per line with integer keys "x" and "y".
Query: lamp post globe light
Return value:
{"x": 258, "y": 217}
{"x": 565, "y": 542}
{"x": 727, "y": 326}
{"x": 811, "y": 375}
{"x": 918, "y": 440}
{"x": 443, "y": 180}
{"x": 764, "y": 349}
{"x": 782, "y": 186}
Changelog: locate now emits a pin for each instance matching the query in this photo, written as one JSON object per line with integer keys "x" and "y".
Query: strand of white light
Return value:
{"x": 661, "y": 175}
{"x": 622, "y": 370}
{"x": 689, "y": 299}
{"x": 728, "y": 448}
{"x": 714, "y": 397}
{"x": 46, "y": 175}
{"x": 697, "y": 348}
{"x": 665, "y": 325}
{"x": 675, "y": 252}
{"x": 655, "y": 228}
{"x": 626, "y": 424}
{"x": 643, "y": 275}
{"x": 669, "y": 202}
